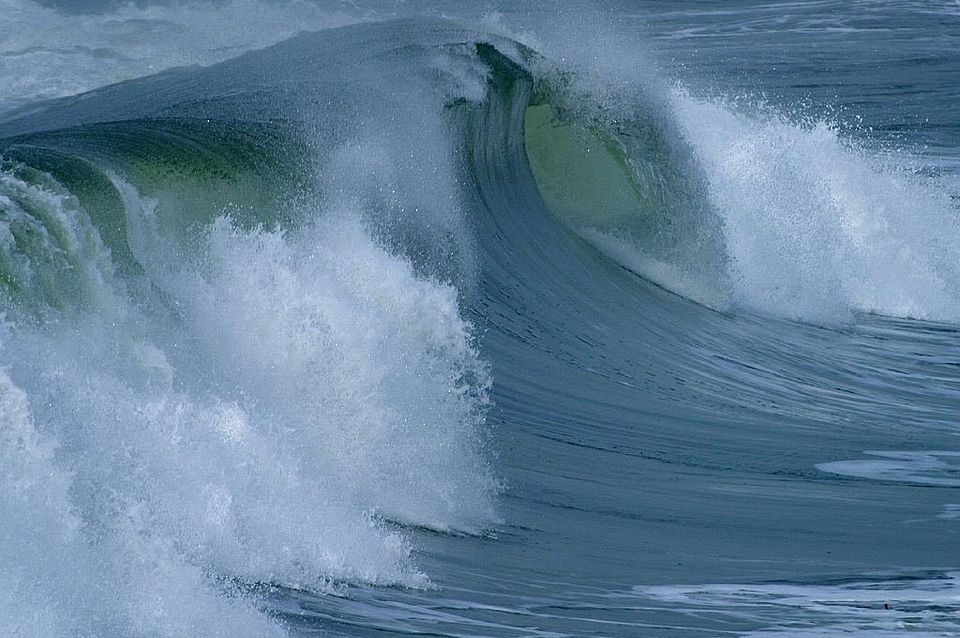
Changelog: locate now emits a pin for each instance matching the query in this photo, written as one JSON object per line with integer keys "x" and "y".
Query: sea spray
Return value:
{"x": 815, "y": 227}
{"x": 258, "y": 416}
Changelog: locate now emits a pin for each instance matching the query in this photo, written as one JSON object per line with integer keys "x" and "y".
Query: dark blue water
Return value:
{"x": 639, "y": 320}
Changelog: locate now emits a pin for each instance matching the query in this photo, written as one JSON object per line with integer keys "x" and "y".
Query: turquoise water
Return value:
{"x": 638, "y": 320}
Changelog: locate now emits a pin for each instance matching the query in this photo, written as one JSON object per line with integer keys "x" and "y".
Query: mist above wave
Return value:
{"x": 46, "y": 53}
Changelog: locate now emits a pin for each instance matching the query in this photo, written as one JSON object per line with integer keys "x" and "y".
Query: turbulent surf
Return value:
{"x": 400, "y": 321}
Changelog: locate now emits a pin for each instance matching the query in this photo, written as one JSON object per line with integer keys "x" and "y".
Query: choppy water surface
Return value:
{"x": 619, "y": 320}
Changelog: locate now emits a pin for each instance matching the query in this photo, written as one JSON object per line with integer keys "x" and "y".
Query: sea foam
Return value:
{"x": 257, "y": 415}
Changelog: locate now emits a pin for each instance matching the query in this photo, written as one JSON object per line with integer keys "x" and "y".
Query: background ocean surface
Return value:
{"x": 554, "y": 319}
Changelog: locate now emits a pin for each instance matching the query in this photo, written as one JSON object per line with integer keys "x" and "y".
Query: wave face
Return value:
{"x": 457, "y": 326}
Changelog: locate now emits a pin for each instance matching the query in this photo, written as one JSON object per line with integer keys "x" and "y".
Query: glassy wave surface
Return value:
{"x": 415, "y": 320}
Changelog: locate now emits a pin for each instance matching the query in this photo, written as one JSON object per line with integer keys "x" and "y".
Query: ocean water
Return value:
{"x": 554, "y": 319}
